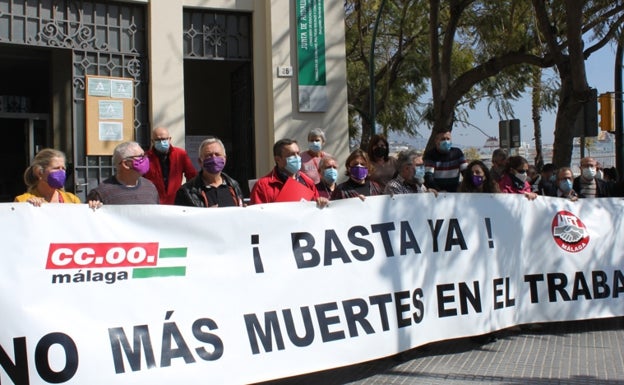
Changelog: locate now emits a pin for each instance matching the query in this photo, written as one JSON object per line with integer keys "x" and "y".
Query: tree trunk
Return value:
{"x": 569, "y": 107}
{"x": 536, "y": 99}
{"x": 367, "y": 133}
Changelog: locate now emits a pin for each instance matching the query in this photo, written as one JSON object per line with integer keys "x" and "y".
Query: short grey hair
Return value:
{"x": 406, "y": 157}
{"x": 499, "y": 153}
{"x": 324, "y": 160}
{"x": 316, "y": 132}
{"x": 210, "y": 140}
{"x": 123, "y": 150}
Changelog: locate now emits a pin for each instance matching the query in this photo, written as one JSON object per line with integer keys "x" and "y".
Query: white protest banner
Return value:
{"x": 166, "y": 294}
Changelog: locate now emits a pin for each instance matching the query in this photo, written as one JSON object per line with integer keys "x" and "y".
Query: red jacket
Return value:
{"x": 269, "y": 186}
{"x": 507, "y": 185}
{"x": 179, "y": 164}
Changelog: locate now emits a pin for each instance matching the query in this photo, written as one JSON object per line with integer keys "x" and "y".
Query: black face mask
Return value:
{"x": 380, "y": 152}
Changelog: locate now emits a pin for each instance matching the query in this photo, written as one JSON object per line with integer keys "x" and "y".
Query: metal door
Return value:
{"x": 107, "y": 38}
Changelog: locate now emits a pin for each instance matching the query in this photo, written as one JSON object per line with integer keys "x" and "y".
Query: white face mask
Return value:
{"x": 589, "y": 172}
{"x": 521, "y": 176}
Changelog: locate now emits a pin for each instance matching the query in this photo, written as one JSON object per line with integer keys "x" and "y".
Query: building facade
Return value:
{"x": 232, "y": 69}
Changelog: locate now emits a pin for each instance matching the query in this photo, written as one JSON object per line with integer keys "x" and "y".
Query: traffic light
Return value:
{"x": 607, "y": 112}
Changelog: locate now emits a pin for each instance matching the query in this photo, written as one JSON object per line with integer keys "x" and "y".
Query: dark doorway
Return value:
{"x": 14, "y": 158}
{"x": 218, "y": 101}
{"x": 24, "y": 109}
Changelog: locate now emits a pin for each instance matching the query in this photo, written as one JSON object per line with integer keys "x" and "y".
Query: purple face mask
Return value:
{"x": 477, "y": 180}
{"x": 141, "y": 165}
{"x": 56, "y": 179}
{"x": 358, "y": 172}
{"x": 214, "y": 164}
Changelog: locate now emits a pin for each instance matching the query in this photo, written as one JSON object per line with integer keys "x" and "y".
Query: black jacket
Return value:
{"x": 190, "y": 193}
{"x": 603, "y": 188}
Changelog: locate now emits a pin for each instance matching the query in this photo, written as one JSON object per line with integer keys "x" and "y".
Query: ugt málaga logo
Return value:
{"x": 569, "y": 232}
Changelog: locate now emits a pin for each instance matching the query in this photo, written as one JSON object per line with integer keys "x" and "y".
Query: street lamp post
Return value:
{"x": 619, "y": 114}
{"x": 371, "y": 68}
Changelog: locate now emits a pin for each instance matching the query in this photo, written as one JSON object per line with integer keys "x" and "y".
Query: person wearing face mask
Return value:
{"x": 328, "y": 170}
{"x": 547, "y": 184}
{"x": 499, "y": 159}
{"x": 310, "y": 159}
{"x": 211, "y": 187}
{"x": 515, "y": 180}
{"x": 565, "y": 185}
{"x": 285, "y": 183}
{"x": 383, "y": 166}
{"x": 168, "y": 164}
{"x": 588, "y": 185}
{"x": 359, "y": 184}
{"x": 478, "y": 179}
{"x": 127, "y": 186}
{"x": 410, "y": 175}
{"x": 444, "y": 164}
{"x": 45, "y": 180}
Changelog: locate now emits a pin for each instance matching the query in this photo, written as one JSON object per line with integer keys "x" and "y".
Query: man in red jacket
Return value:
{"x": 167, "y": 165}
{"x": 285, "y": 183}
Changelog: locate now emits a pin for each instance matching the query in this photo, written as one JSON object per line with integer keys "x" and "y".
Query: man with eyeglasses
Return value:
{"x": 410, "y": 175}
{"x": 127, "y": 186}
{"x": 168, "y": 164}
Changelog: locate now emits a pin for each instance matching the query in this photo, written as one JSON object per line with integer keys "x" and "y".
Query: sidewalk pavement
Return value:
{"x": 578, "y": 352}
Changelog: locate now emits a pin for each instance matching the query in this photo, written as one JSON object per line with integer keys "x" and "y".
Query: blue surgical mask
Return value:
{"x": 162, "y": 146}
{"x": 445, "y": 145}
{"x": 293, "y": 164}
{"x": 419, "y": 173}
{"x": 553, "y": 178}
{"x": 330, "y": 175}
{"x": 315, "y": 146}
{"x": 565, "y": 185}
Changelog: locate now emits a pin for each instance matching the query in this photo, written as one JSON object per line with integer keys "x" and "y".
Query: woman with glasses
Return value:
{"x": 515, "y": 179}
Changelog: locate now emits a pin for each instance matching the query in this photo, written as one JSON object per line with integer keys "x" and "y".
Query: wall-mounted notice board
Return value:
{"x": 109, "y": 113}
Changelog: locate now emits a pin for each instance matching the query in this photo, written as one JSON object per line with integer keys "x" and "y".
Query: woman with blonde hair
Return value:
{"x": 45, "y": 180}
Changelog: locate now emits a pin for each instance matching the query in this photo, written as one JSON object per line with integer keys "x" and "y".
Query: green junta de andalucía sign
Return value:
{"x": 311, "y": 56}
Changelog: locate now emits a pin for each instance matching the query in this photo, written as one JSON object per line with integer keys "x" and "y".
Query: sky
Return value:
{"x": 600, "y": 75}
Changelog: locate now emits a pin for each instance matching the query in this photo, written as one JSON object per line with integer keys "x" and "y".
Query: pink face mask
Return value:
{"x": 141, "y": 165}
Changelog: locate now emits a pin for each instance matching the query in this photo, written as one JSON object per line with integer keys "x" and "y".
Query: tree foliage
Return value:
{"x": 570, "y": 31}
{"x": 473, "y": 50}
{"x": 400, "y": 63}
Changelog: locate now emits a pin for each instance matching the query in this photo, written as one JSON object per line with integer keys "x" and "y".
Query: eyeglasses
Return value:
{"x": 160, "y": 139}
{"x": 136, "y": 157}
